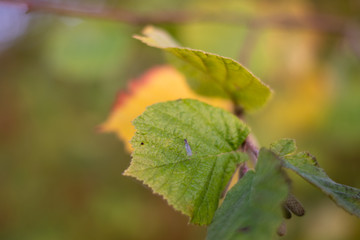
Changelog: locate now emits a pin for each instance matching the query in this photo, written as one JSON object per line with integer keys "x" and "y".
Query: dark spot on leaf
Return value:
{"x": 244, "y": 229}
{"x": 313, "y": 158}
{"x": 357, "y": 196}
{"x": 142, "y": 143}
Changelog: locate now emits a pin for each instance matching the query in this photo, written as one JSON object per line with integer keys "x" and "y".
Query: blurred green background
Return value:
{"x": 59, "y": 75}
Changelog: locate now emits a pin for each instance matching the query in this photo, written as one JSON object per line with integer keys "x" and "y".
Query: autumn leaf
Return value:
{"x": 161, "y": 83}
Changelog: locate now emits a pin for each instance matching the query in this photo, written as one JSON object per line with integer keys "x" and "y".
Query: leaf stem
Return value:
{"x": 238, "y": 111}
{"x": 251, "y": 148}
{"x": 250, "y": 145}
{"x": 242, "y": 170}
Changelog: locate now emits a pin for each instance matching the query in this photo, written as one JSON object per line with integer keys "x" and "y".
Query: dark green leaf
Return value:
{"x": 284, "y": 147}
{"x": 305, "y": 165}
{"x": 252, "y": 208}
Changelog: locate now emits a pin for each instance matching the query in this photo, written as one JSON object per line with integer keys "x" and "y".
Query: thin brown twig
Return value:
{"x": 242, "y": 170}
{"x": 318, "y": 22}
{"x": 250, "y": 41}
{"x": 251, "y": 148}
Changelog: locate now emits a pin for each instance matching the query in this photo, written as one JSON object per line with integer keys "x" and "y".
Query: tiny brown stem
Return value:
{"x": 251, "y": 148}
{"x": 248, "y": 46}
{"x": 238, "y": 111}
{"x": 242, "y": 170}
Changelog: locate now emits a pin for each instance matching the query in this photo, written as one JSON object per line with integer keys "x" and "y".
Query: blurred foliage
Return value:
{"x": 59, "y": 76}
{"x": 86, "y": 50}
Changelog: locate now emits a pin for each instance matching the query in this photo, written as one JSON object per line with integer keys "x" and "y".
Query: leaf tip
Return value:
{"x": 284, "y": 147}
{"x": 146, "y": 31}
{"x": 156, "y": 37}
{"x": 127, "y": 173}
{"x": 138, "y": 37}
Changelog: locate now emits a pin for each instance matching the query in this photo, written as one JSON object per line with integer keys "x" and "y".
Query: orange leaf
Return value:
{"x": 159, "y": 84}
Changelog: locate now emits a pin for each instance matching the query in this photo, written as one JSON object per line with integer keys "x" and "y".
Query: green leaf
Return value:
{"x": 252, "y": 208}
{"x": 210, "y": 74}
{"x": 305, "y": 165}
{"x": 284, "y": 147}
{"x": 189, "y": 174}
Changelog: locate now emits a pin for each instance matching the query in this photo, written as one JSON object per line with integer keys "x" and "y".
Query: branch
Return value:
{"x": 250, "y": 145}
{"x": 320, "y": 23}
{"x": 251, "y": 148}
{"x": 100, "y": 12}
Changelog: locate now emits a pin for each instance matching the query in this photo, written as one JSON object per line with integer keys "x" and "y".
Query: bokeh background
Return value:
{"x": 60, "y": 73}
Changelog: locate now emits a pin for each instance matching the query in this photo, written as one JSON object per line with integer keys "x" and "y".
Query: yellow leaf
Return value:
{"x": 159, "y": 84}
